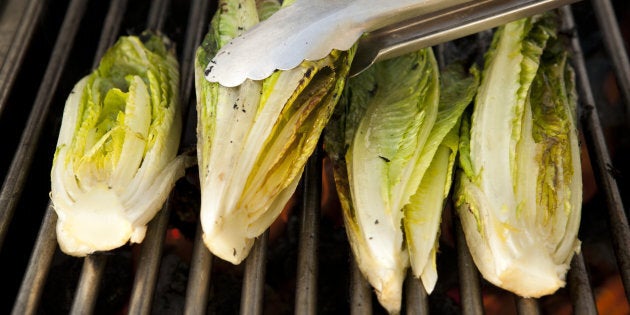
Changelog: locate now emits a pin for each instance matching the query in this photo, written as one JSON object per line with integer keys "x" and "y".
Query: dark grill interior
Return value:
{"x": 302, "y": 265}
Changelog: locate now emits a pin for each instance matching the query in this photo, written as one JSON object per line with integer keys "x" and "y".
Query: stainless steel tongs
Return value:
{"x": 310, "y": 29}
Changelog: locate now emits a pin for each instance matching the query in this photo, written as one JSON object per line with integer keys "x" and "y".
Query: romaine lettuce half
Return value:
{"x": 254, "y": 139}
{"x": 519, "y": 192}
{"x": 115, "y": 161}
{"x": 393, "y": 141}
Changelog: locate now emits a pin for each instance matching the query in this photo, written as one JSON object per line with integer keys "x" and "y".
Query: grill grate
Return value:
{"x": 596, "y": 143}
{"x": 186, "y": 22}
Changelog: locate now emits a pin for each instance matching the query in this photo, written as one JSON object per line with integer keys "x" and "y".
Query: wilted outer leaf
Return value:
{"x": 424, "y": 212}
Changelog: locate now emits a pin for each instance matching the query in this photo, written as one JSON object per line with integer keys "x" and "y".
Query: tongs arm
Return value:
{"x": 442, "y": 26}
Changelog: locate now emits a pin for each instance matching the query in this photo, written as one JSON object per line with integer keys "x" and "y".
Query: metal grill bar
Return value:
{"x": 89, "y": 285}
{"x": 17, "y": 50}
{"x": 157, "y": 15}
{"x": 198, "y": 286}
{"x": 527, "y": 306}
{"x": 417, "y": 300}
{"x": 199, "y": 277}
{"x": 360, "y": 291}
{"x": 307, "y": 270}
{"x": 602, "y": 163}
{"x": 254, "y": 279}
{"x": 38, "y": 266}
{"x": 23, "y": 158}
{"x": 580, "y": 287}
{"x": 616, "y": 48}
{"x": 149, "y": 263}
{"x": 197, "y": 19}
{"x": 468, "y": 274}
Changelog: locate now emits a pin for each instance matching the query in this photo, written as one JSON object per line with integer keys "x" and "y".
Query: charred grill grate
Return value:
{"x": 48, "y": 46}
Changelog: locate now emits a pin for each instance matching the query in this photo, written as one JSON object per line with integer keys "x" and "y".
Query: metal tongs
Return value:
{"x": 310, "y": 29}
